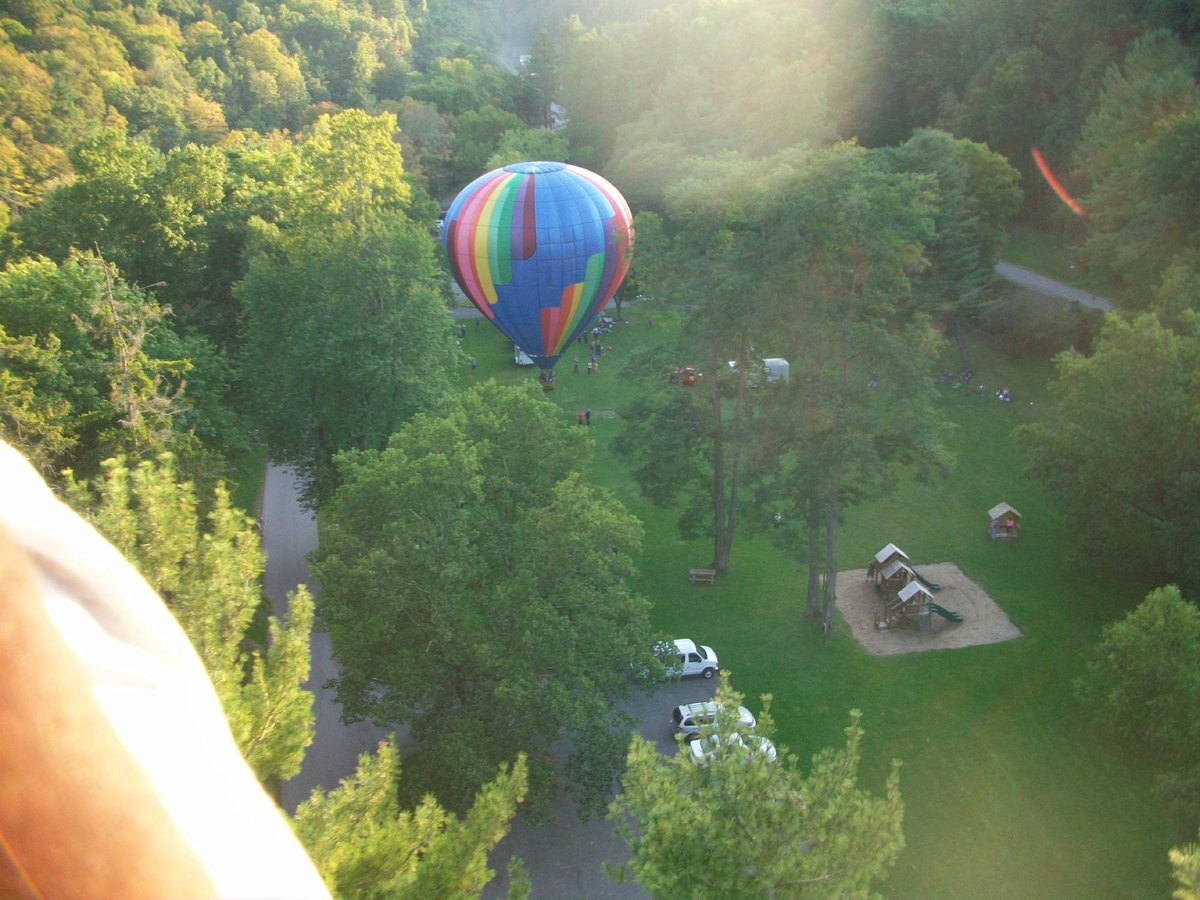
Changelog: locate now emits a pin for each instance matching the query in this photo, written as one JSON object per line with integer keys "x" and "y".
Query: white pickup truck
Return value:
{"x": 691, "y": 658}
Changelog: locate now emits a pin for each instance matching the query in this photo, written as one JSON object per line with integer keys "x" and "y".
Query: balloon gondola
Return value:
{"x": 539, "y": 248}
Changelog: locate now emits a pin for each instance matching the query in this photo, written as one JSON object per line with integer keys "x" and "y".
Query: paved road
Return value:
{"x": 1050, "y": 287}
{"x": 289, "y": 533}
{"x": 565, "y": 857}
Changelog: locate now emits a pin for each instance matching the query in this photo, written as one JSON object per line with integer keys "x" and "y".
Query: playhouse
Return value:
{"x": 908, "y": 596}
{"x": 1004, "y": 522}
{"x": 895, "y": 575}
{"x": 913, "y": 606}
{"x": 885, "y": 560}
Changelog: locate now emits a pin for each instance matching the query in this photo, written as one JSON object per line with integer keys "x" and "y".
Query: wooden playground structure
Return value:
{"x": 1004, "y": 522}
{"x": 908, "y": 597}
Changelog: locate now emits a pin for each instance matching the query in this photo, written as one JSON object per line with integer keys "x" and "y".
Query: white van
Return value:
{"x": 520, "y": 357}
{"x": 773, "y": 369}
{"x": 776, "y": 369}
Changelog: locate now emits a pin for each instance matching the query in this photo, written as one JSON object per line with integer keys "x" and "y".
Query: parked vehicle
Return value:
{"x": 689, "y": 718}
{"x": 690, "y": 658}
{"x": 684, "y": 375}
{"x": 771, "y": 370}
{"x": 702, "y": 749}
{"x": 520, "y": 357}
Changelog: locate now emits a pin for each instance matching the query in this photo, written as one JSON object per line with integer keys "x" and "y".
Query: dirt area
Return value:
{"x": 983, "y": 621}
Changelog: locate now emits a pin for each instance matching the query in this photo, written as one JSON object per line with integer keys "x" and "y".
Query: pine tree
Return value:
{"x": 209, "y": 571}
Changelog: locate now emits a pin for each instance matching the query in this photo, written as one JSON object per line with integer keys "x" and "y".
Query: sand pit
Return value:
{"x": 983, "y": 621}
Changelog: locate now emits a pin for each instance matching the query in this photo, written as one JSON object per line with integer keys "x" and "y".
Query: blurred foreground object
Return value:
{"x": 118, "y": 773}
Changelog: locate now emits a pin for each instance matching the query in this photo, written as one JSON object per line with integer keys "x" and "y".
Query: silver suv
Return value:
{"x": 690, "y": 717}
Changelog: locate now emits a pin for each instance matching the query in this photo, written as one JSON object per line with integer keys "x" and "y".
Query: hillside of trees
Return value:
{"x": 217, "y": 234}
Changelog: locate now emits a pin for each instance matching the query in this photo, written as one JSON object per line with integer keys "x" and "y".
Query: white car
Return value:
{"x": 689, "y": 718}
{"x": 702, "y": 749}
{"x": 690, "y": 659}
{"x": 520, "y": 357}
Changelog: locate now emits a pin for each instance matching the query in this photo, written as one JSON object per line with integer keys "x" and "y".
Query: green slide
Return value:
{"x": 945, "y": 613}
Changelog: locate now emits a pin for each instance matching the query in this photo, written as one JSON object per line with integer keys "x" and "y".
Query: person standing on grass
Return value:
{"x": 587, "y": 417}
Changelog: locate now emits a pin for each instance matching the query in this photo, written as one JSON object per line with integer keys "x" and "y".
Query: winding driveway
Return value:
{"x": 1049, "y": 287}
{"x": 289, "y": 533}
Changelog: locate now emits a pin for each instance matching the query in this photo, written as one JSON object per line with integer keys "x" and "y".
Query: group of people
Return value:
{"x": 585, "y": 417}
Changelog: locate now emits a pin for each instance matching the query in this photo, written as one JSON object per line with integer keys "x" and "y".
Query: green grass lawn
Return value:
{"x": 1046, "y": 253}
{"x": 1008, "y": 792}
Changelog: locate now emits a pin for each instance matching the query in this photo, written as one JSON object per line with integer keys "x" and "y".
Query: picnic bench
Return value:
{"x": 702, "y": 576}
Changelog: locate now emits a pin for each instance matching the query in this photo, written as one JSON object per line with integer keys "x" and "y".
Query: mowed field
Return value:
{"x": 1008, "y": 791}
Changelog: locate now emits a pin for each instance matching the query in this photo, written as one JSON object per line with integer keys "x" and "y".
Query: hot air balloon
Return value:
{"x": 540, "y": 248}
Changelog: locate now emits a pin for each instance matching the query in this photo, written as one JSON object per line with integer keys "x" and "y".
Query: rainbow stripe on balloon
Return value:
{"x": 539, "y": 248}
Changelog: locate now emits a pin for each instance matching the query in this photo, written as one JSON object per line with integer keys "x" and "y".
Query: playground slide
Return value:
{"x": 945, "y": 613}
{"x": 932, "y": 585}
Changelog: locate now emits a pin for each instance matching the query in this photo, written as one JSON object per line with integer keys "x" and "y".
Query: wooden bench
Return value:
{"x": 702, "y": 576}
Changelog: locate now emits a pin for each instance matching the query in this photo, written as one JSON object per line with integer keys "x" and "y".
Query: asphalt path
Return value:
{"x": 289, "y": 532}
{"x": 564, "y": 856}
{"x": 1050, "y": 287}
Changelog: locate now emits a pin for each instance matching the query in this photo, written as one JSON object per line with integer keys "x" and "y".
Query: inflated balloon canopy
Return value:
{"x": 539, "y": 248}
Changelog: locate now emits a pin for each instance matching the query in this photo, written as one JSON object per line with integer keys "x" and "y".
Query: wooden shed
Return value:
{"x": 1004, "y": 522}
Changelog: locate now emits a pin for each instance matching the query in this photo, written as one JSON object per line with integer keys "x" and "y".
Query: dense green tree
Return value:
{"x": 30, "y": 145}
{"x": 463, "y": 84}
{"x": 425, "y": 139}
{"x": 476, "y": 587}
{"x": 267, "y": 88}
{"x": 364, "y": 845}
{"x": 1185, "y": 868}
{"x": 844, "y": 239}
{"x": 1143, "y": 683}
{"x": 345, "y": 329}
{"x": 1111, "y": 454}
{"x": 100, "y": 364}
{"x": 710, "y": 266}
{"x": 32, "y": 418}
{"x": 1178, "y": 292}
{"x": 346, "y": 335}
{"x": 444, "y": 29}
{"x": 539, "y": 74}
{"x": 144, "y": 210}
{"x": 350, "y": 168}
{"x": 740, "y": 825}
{"x": 477, "y": 136}
{"x": 521, "y": 144}
{"x": 683, "y": 76}
{"x": 977, "y": 197}
{"x": 1135, "y": 152}
{"x": 208, "y": 570}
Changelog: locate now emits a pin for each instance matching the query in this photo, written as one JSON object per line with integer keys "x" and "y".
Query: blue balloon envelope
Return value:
{"x": 539, "y": 248}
